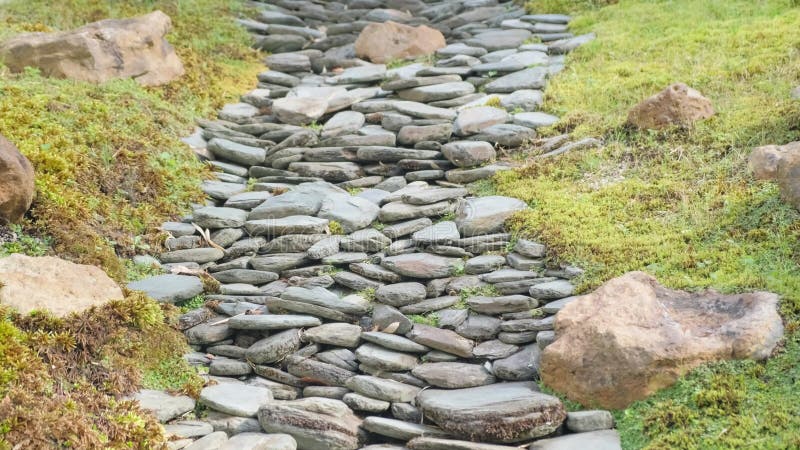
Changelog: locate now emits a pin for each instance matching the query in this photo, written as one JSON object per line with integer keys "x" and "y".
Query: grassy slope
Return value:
{"x": 110, "y": 168}
{"x": 680, "y": 204}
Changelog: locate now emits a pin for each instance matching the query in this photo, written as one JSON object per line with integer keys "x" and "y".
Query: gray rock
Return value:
{"x": 382, "y": 389}
{"x": 420, "y": 265}
{"x": 353, "y": 213}
{"x": 163, "y": 405}
{"x": 224, "y": 367}
{"x": 286, "y": 225}
{"x": 274, "y": 348}
{"x": 188, "y": 429}
{"x": 406, "y": 412}
{"x": 430, "y": 443}
{"x": 247, "y": 276}
{"x": 494, "y": 349}
{"x": 352, "y": 304}
{"x": 405, "y": 228}
{"x": 237, "y": 153}
{"x": 232, "y": 424}
{"x": 398, "y": 429}
{"x": 461, "y": 49}
{"x": 533, "y": 78}
{"x": 506, "y": 135}
{"x": 235, "y": 399}
{"x": 545, "y": 338}
{"x": 288, "y": 62}
{"x": 278, "y": 262}
{"x": 486, "y": 215}
{"x": 334, "y": 392}
{"x": 375, "y": 272}
{"x": 394, "y": 342}
{"x": 504, "y": 412}
{"x": 367, "y": 240}
{"x": 524, "y": 99}
{"x": 205, "y": 333}
{"x": 213, "y": 441}
{"x": 567, "y": 45}
{"x": 520, "y": 262}
{"x": 521, "y": 366}
{"x": 501, "y": 305}
{"x": 500, "y": 39}
{"x": 434, "y": 195}
{"x": 359, "y": 402}
{"x": 169, "y": 288}
{"x": 338, "y": 334}
{"x": 413, "y": 134}
{"x": 464, "y": 176}
{"x": 469, "y": 153}
{"x": 329, "y": 171}
{"x": 434, "y": 92}
{"x": 310, "y": 368}
{"x": 552, "y": 290}
{"x": 345, "y": 122}
{"x": 596, "y": 440}
{"x": 453, "y": 375}
{"x": 260, "y": 441}
{"x": 430, "y": 305}
{"x": 401, "y": 294}
{"x": 474, "y": 120}
{"x": 585, "y": 421}
{"x": 484, "y": 264}
{"x": 535, "y": 119}
{"x": 362, "y": 74}
{"x": 385, "y": 359}
{"x": 315, "y": 423}
{"x": 479, "y": 327}
{"x": 445, "y": 340}
{"x": 388, "y": 318}
{"x": 272, "y": 322}
{"x": 424, "y": 111}
{"x": 198, "y": 255}
{"x": 439, "y": 233}
{"x": 528, "y": 324}
{"x": 555, "y": 306}
{"x": 220, "y": 190}
{"x": 530, "y": 249}
{"x": 393, "y": 154}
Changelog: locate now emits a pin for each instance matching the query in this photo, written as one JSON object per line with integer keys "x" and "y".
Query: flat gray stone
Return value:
{"x": 260, "y": 441}
{"x": 593, "y": 420}
{"x": 163, "y": 405}
{"x": 596, "y": 440}
{"x": 419, "y": 265}
{"x": 533, "y": 78}
{"x": 552, "y": 290}
{"x": 385, "y": 359}
{"x": 237, "y": 153}
{"x": 521, "y": 366}
{"x": 398, "y": 429}
{"x": 338, "y": 334}
{"x": 453, "y": 375}
{"x": 169, "y": 288}
{"x": 235, "y": 399}
{"x": 485, "y": 215}
{"x": 274, "y": 347}
{"x": 502, "y": 413}
{"x": 272, "y": 322}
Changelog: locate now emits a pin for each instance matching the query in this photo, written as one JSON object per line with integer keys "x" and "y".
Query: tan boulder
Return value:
{"x": 16, "y": 183}
{"x": 678, "y": 104}
{"x": 780, "y": 163}
{"x": 53, "y": 284}
{"x": 633, "y": 336}
{"x": 383, "y": 42}
{"x": 114, "y": 48}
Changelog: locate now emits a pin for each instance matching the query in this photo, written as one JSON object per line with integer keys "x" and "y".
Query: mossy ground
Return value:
{"x": 680, "y": 204}
{"x": 109, "y": 169}
{"x": 109, "y": 164}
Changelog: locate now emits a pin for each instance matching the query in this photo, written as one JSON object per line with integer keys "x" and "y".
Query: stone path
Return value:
{"x": 367, "y": 299}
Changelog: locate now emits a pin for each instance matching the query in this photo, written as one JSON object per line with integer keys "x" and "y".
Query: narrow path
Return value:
{"x": 366, "y": 299}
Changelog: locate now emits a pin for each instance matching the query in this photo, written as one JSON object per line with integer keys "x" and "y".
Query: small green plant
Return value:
{"x": 314, "y": 126}
{"x": 135, "y": 272}
{"x": 537, "y": 313}
{"x": 329, "y": 270}
{"x": 251, "y": 182}
{"x": 449, "y": 216}
{"x": 191, "y": 304}
{"x": 367, "y": 293}
{"x": 25, "y": 244}
{"x": 431, "y": 319}
{"x": 354, "y": 190}
{"x": 493, "y": 101}
{"x": 378, "y": 225}
{"x": 335, "y": 227}
{"x": 458, "y": 269}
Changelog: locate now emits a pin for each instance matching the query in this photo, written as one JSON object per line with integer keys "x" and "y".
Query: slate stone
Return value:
{"x": 169, "y": 288}
{"x": 453, "y": 375}
{"x": 235, "y": 399}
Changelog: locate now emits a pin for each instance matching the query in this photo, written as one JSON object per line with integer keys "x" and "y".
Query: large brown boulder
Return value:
{"x": 678, "y": 104}
{"x": 114, "y": 48}
{"x": 383, "y": 42}
{"x": 16, "y": 183}
{"x": 53, "y": 284}
{"x": 633, "y": 336}
{"x": 781, "y": 164}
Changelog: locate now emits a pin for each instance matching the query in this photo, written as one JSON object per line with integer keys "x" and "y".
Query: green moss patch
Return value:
{"x": 680, "y": 203}
{"x": 109, "y": 164}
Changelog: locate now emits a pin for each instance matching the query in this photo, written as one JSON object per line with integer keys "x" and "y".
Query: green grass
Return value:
{"x": 680, "y": 203}
{"x": 108, "y": 160}
{"x": 191, "y": 304}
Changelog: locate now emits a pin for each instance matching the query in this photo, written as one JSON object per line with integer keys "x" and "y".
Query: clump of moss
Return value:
{"x": 108, "y": 160}
{"x": 335, "y": 227}
{"x": 65, "y": 378}
{"x": 367, "y": 293}
{"x": 431, "y": 319}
